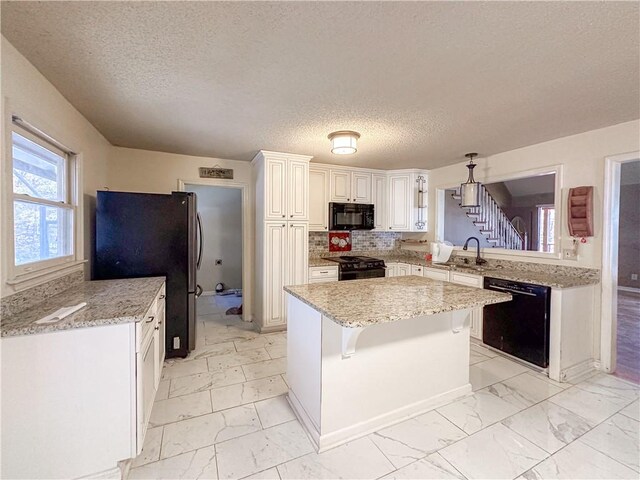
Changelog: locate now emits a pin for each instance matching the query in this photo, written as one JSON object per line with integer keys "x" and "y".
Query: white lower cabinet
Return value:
{"x": 476, "y": 314}
{"x": 391, "y": 270}
{"x": 95, "y": 391}
{"x": 417, "y": 270}
{"x": 403, "y": 269}
{"x": 436, "y": 274}
{"x": 323, "y": 274}
{"x": 286, "y": 260}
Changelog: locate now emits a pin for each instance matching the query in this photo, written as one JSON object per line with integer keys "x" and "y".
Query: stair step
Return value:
{"x": 471, "y": 215}
{"x": 486, "y": 232}
{"x": 477, "y": 224}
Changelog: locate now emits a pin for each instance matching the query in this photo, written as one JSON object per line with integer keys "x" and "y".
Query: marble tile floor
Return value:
{"x": 222, "y": 413}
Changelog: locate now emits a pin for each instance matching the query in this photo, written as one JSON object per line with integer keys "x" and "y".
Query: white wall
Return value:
{"x": 220, "y": 209}
{"x": 582, "y": 157}
{"x": 27, "y": 93}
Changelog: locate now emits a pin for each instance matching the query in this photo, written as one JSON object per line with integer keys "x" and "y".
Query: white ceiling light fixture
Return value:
{"x": 344, "y": 142}
{"x": 470, "y": 190}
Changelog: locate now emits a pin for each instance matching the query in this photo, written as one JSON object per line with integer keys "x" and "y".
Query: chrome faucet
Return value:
{"x": 479, "y": 261}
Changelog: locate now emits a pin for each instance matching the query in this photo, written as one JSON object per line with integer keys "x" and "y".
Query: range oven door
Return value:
{"x": 360, "y": 274}
{"x": 351, "y": 216}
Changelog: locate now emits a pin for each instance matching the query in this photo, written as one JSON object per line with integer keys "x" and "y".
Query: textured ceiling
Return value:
{"x": 423, "y": 82}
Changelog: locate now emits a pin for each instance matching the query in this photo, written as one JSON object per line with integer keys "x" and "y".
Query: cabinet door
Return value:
{"x": 275, "y": 272}
{"x": 275, "y": 189}
{"x": 435, "y": 274}
{"x": 476, "y": 323}
{"x": 379, "y": 200}
{"x": 146, "y": 390}
{"x": 400, "y": 202}
{"x": 298, "y": 198}
{"x": 318, "y": 200}
{"x": 392, "y": 270}
{"x": 361, "y": 187}
{"x": 403, "y": 269}
{"x": 161, "y": 315}
{"x": 298, "y": 254}
{"x": 340, "y": 186}
{"x": 416, "y": 270}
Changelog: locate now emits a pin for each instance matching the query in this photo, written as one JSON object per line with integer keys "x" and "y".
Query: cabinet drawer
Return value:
{"x": 465, "y": 279}
{"x": 416, "y": 270}
{"x": 323, "y": 273}
{"x": 435, "y": 274}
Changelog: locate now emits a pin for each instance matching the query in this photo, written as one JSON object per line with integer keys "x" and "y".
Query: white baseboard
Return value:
{"x": 629, "y": 289}
{"x": 578, "y": 371}
{"x": 339, "y": 437}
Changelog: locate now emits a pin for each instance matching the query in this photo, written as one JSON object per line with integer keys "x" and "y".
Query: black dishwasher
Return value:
{"x": 519, "y": 327}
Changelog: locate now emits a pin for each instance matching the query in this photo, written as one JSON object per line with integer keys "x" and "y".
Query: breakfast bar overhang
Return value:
{"x": 365, "y": 354}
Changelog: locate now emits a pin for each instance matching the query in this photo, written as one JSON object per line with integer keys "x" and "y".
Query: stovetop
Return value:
{"x": 354, "y": 262}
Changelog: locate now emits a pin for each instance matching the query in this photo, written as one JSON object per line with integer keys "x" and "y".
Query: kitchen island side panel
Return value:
{"x": 399, "y": 369}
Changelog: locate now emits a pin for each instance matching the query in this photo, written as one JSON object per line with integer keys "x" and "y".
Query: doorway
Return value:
{"x": 621, "y": 268}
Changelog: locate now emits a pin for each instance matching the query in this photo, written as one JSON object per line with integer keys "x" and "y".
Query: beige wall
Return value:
{"x": 27, "y": 93}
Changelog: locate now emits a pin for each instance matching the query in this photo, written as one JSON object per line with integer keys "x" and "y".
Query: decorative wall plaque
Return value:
{"x": 206, "y": 172}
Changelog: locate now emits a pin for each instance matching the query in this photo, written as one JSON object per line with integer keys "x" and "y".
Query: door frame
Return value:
{"x": 247, "y": 247}
{"x": 609, "y": 283}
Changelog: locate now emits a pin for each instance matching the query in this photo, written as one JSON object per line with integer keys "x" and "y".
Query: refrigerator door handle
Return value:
{"x": 201, "y": 242}
{"x": 198, "y": 291}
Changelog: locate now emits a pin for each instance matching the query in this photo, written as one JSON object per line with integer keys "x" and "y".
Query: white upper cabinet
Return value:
{"x": 379, "y": 200}
{"x": 276, "y": 189}
{"x": 400, "y": 202}
{"x": 318, "y": 199}
{"x": 285, "y": 188}
{"x": 298, "y": 199}
{"x": 350, "y": 187}
{"x": 361, "y": 187}
{"x": 340, "y": 186}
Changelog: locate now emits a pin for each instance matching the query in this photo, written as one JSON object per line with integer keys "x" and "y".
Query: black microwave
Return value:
{"x": 351, "y": 216}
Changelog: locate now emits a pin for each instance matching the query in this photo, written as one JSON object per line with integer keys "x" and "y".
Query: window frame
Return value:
{"x": 29, "y": 271}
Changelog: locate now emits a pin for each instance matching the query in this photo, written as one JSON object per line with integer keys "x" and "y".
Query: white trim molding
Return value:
{"x": 609, "y": 284}
{"x": 247, "y": 235}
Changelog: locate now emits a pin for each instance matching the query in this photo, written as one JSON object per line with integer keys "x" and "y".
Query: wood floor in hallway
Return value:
{"x": 628, "y": 359}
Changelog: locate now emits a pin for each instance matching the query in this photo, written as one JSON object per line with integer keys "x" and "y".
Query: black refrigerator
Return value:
{"x": 146, "y": 235}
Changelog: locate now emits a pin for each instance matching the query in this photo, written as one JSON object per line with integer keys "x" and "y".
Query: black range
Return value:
{"x": 352, "y": 267}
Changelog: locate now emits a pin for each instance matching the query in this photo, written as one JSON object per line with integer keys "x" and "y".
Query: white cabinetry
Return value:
{"x": 416, "y": 270}
{"x": 476, "y": 314}
{"x": 285, "y": 187}
{"x": 323, "y": 274}
{"x": 436, "y": 274}
{"x": 318, "y": 199}
{"x": 391, "y": 270}
{"x": 403, "y": 269}
{"x": 82, "y": 403}
{"x": 379, "y": 200}
{"x": 350, "y": 186}
{"x": 399, "y": 213}
{"x": 282, "y": 246}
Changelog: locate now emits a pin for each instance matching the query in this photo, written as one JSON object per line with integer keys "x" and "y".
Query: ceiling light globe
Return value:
{"x": 344, "y": 142}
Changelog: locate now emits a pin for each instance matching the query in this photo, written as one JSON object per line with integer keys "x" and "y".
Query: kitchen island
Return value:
{"x": 365, "y": 354}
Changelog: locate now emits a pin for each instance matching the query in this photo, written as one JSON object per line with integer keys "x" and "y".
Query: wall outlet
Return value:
{"x": 176, "y": 343}
{"x": 569, "y": 254}
{"x": 634, "y": 276}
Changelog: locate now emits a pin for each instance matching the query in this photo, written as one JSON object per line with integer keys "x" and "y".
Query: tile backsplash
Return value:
{"x": 360, "y": 240}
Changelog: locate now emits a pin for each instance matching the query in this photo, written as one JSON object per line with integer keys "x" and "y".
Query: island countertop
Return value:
{"x": 108, "y": 302}
{"x": 360, "y": 303}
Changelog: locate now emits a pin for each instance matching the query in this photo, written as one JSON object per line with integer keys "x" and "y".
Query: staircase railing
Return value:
{"x": 494, "y": 223}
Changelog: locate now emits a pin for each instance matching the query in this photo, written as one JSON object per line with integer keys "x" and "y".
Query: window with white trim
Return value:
{"x": 43, "y": 210}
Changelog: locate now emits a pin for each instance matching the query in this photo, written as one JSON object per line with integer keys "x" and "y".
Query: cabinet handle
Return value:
{"x": 161, "y": 297}
{"x": 157, "y": 328}
{"x": 150, "y": 319}
{"x": 324, "y": 272}
{"x": 348, "y": 199}
{"x": 283, "y": 225}
{"x": 291, "y": 216}
{"x": 283, "y": 216}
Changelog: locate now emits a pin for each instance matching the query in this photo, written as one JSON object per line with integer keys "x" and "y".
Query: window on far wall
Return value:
{"x": 546, "y": 220}
{"x": 43, "y": 211}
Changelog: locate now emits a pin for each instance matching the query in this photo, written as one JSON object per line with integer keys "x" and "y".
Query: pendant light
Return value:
{"x": 343, "y": 142}
{"x": 470, "y": 190}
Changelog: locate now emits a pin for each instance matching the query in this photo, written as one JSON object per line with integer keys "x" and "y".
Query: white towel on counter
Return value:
{"x": 61, "y": 313}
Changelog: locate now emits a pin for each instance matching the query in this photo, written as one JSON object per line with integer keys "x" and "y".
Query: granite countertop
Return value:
{"x": 540, "y": 274}
{"x": 360, "y": 303}
{"x": 109, "y": 302}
